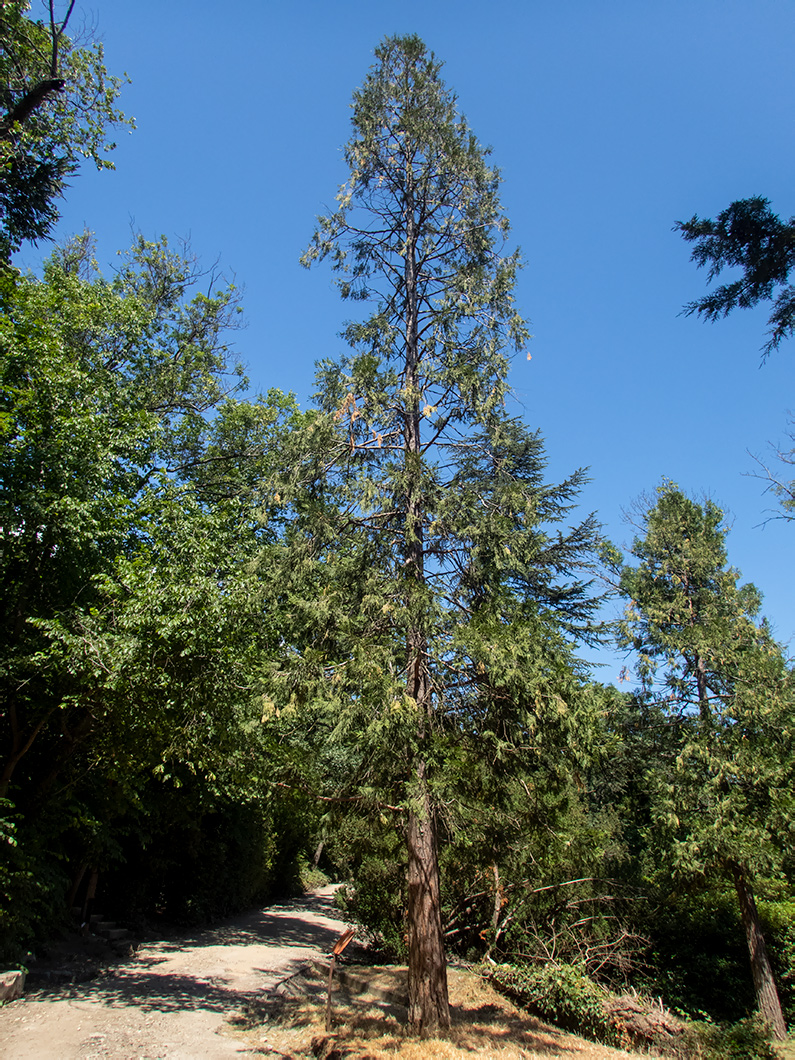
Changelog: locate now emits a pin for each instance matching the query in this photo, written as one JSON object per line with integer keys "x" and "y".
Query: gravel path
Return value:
{"x": 173, "y": 998}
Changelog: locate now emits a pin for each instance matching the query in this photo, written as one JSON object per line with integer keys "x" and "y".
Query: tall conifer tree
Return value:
{"x": 727, "y": 692}
{"x": 440, "y": 603}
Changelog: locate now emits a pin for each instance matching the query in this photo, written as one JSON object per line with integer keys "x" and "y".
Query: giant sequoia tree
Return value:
{"x": 433, "y": 600}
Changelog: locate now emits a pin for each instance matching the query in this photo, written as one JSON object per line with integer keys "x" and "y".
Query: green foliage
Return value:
{"x": 745, "y": 1040}
{"x": 749, "y": 236}
{"x": 720, "y": 776}
{"x": 530, "y": 857}
{"x": 29, "y": 880}
{"x": 778, "y": 917}
{"x": 726, "y": 792}
{"x": 311, "y": 877}
{"x": 104, "y": 385}
{"x": 57, "y": 102}
{"x": 560, "y": 993}
{"x": 369, "y": 855}
{"x": 133, "y": 614}
{"x": 697, "y": 957}
{"x": 187, "y": 856}
{"x": 376, "y": 901}
{"x": 564, "y": 995}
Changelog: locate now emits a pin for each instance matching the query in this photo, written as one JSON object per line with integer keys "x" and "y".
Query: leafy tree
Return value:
{"x": 429, "y": 588}
{"x": 749, "y": 236}
{"x": 132, "y": 613}
{"x": 56, "y": 101}
{"x": 724, "y": 803}
{"x": 105, "y": 386}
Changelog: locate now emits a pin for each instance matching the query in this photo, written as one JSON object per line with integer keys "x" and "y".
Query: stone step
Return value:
{"x": 118, "y": 937}
{"x": 116, "y": 933}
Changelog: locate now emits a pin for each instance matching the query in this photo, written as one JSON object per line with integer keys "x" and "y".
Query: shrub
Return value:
{"x": 745, "y": 1040}
{"x": 32, "y": 889}
{"x": 310, "y": 876}
{"x": 778, "y": 919}
{"x": 562, "y": 994}
{"x": 376, "y": 901}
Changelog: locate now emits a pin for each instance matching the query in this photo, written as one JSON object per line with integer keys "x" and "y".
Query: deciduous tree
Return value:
{"x": 133, "y": 617}
{"x": 57, "y": 101}
{"x": 125, "y": 459}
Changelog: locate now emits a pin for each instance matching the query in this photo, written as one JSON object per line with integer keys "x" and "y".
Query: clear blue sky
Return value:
{"x": 610, "y": 120}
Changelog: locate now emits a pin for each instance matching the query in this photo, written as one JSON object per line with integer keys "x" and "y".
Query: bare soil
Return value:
{"x": 256, "y": 986}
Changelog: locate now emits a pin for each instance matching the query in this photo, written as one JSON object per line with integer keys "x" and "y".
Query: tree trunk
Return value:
{"x": 764, "y": 983}
{"x": 429, "y": 1008}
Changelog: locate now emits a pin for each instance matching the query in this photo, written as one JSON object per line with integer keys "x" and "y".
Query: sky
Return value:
{"x": 610, "y": 120}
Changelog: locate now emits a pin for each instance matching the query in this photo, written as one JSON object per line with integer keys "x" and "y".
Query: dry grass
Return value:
{"x": 371, "y": 1025}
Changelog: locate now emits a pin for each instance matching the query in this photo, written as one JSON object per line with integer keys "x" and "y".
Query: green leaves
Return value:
{"x": 131, "y": 606}
{"x": 57, "y": 102}
{"x": 724, "y": 685}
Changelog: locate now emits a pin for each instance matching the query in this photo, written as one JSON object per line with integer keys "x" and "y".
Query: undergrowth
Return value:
{"x": 561, "y": 994}
{"x": 565, "y": 995}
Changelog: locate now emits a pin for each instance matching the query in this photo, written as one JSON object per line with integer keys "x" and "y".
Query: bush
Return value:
{"x": 371, "y": 857}
{"x": 698, "y": 957}
{"x": 778, "y": 919}
{"x": 376, "y": 901}
{"x": 746, "y": 1040}
{"x": 310, "y": 876}
{"x": 560, "y": 993}
{"x": 564, "y": 995}
{"x": 194, "y": 859}
{"x": 33, "y": 887}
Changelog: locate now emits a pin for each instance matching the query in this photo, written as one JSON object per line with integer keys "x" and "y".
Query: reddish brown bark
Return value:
{"x": 429, "y": 1008}
{"x": 761, "y": 969}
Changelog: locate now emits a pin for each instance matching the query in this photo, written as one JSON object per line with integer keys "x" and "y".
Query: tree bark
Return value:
{"x": 30, "y": 102}
{"x": 764, "y": 982}
{"x": 429, "y": 1008}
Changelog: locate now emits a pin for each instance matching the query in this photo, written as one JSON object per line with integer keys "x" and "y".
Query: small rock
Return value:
{"x": 11, "y": 985}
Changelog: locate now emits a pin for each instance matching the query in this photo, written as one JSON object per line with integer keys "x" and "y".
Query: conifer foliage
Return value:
{"x": 440, "y": 599}
{"x": 724, "y": 805}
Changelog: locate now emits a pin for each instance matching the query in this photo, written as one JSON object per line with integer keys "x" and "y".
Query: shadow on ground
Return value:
{"x": 148, "y": 983}
{"x": 366, "y": 1024}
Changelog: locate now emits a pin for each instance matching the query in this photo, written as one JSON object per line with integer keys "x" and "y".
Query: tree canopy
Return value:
{"x": 727, "y": 696}
{"x": 749, "y": 236}
{"x": 57, "y": 102}
{"x": 447, "y": 581}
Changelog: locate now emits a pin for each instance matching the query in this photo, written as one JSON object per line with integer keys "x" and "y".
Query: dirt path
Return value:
{"x": 172, "y": 999}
